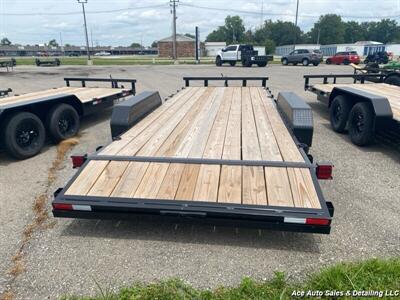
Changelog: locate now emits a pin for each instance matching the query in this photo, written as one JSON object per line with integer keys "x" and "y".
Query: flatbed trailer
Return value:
{"x": 48, "y": 62}
{"x": 8, "y": 64}
{"x": 362, "y": 108}
{"x": 225, "y": 155}
{"x": 26, "y": 119}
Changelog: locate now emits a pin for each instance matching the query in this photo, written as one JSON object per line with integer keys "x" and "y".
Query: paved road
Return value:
{"x": 75, "y": 254}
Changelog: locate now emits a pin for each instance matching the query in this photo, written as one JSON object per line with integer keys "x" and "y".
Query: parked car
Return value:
{"x": 345, "y": 57}
{"x": 303, "y": 56}
{"x": 103, "y": 53}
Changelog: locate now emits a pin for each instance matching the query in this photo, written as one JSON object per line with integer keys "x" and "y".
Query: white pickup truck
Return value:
{"x": 243, "y": 53}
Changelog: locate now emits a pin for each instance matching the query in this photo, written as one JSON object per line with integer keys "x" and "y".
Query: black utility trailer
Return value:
{"x": 5, "y": 92}
{"x": 48, "y": 62}
{"x": 224, "y": 155}
{"x": 8, "y": 64}
{"x": 377, "y": 74}
{"x": 25, "y": 119}
{"x": 362, "y": 108}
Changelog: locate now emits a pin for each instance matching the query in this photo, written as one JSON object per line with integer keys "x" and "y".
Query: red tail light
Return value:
{"x": 311, "y": 221}
{"x": 324, "y": 172}
{"x": 61, "y": 206}
{"x": 78, "y": 160}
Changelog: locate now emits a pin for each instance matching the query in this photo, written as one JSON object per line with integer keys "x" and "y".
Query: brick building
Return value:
{"x": 185, "y": 46}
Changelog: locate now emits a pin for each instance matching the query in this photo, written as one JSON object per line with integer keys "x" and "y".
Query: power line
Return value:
{"x": 78, "y": 12}
{"x": 257, "y": 13}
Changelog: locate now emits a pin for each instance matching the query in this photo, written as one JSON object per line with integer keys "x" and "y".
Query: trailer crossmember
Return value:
{"x": 356, "y": 77}
{"x": 226, "y": 79}
{"x": 114, "y": 81}
{"x": 183, "y": 160}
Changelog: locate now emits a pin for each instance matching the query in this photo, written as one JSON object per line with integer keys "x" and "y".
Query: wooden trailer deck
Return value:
{"x": 391, "y": 92}
{"x": 84, "y": 94}
{"x": 225, "y": 123}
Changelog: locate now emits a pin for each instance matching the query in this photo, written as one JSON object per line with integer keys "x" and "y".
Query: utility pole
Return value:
{"x": 86, "y": 31}
{"x": 173, "y": 4}
{"x": 91, "y": 38}
{"x": 61, "y": 45}
{"x": 297, "y": 16}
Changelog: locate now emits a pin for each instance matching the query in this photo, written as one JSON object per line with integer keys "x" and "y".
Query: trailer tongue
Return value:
{"x": 221, "y": 155}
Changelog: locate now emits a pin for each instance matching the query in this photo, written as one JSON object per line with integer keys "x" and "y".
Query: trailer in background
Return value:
{"x": 27, "y": 119}
{"x": 225, "y": 155}
{"x": 48, "y": 62}
{"x": 362, "y": 108}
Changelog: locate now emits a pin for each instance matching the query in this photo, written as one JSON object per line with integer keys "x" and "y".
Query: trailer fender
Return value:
{"x": 131, "y": 111}
{"x": 297, "y": 115}
{"x": 380, "y": 105}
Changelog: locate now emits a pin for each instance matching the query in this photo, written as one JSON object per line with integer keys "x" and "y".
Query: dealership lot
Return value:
{"x": 73, "y": 256}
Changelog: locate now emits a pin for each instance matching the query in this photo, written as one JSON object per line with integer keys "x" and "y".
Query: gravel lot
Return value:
{"x": 75, "y": 255}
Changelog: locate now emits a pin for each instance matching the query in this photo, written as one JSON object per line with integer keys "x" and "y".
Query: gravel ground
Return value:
{"x": 75, "y": 255}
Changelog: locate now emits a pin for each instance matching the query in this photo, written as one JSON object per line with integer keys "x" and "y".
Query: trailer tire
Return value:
{"x": 218, "y": 61}
{"x": 393, "y": 80}
{"x": 247, "y": 63}
{"x": 24, "y": 135}
{"x": 262, "y": 64}
{"x": 339, "y": 113}
{"x": 361, "y": 124}
{"x": 62, "y": 122}
{"x": 305, "y": 62}
{"x": 232, "y": 63}
{"x": 316, "y": 64}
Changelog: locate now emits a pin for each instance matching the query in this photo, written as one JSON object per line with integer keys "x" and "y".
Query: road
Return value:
{"x": 74, "y": 256}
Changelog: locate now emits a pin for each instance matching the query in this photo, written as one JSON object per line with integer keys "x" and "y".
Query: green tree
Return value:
{"x": 384, "y": 31}
{"x": 330, "y": 28}
{"x": 269, "y": 46}
{"x": 232, "y": 32}
{"x": 5, "y": 42}
{"x": 154, "y": 44}
{"x": 281, "y": 33}
{"x": 53, "y": 43}
{"x": 136, "y": 45}
{"x": 354, "y": 32}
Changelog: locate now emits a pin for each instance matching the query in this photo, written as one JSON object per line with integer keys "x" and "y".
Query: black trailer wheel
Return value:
{"x": 346, "y": 62}
{"x": 305, "y": 62}
{"x": 262, "y": 64}
{"x": 316, "y": 64}
{"x": 218, "y": 61}
{"x": 393, "y": 79}
{"x": 361, "y": 124}
{"x": 328, "y": 61}
{"x": 247, "y": 63}
{"x": 24, "y": 135}
{"x": 339, "y": 113}
{"x": 285, "y": 62}
{"x": 232, "y": 63}
{"x": 62, "y": 122}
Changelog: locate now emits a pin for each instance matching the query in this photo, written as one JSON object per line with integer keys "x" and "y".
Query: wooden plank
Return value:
{"x": 130, "y": 180}
{"x": 87, "y": 178}
{"x": 127, "y": 137}
{"x": 304, "y": 193}
{"x": 230, "y": 187}
{"x": 287, "y": 147}
{"x": 254, "y": 189}
{"x": 170, "y": 185}
{"x": 108, "y": 179}
{"x": 187, "y": 185}
{"x": 176, "y": 127}
{"x": 208, "y": 180}
{"x": 276, "y": 179}
{"x": 168, "y": 117}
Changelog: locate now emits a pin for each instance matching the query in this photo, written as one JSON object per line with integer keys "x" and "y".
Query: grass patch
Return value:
{"x": 370, "y": 275}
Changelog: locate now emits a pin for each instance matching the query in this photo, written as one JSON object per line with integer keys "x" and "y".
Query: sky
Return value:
{"x": 122, "y": 22}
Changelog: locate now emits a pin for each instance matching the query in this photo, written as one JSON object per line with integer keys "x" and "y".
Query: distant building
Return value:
{"x": 212, "y": 48}
{"x": 185, "y": 46}
{"x": 41, "y": 50}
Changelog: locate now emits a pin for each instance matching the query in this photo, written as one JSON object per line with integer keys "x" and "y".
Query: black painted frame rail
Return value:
{"x": 114, "y": 81}
{"x": 356, "y": 77}
{"x": 244, "y": 79}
